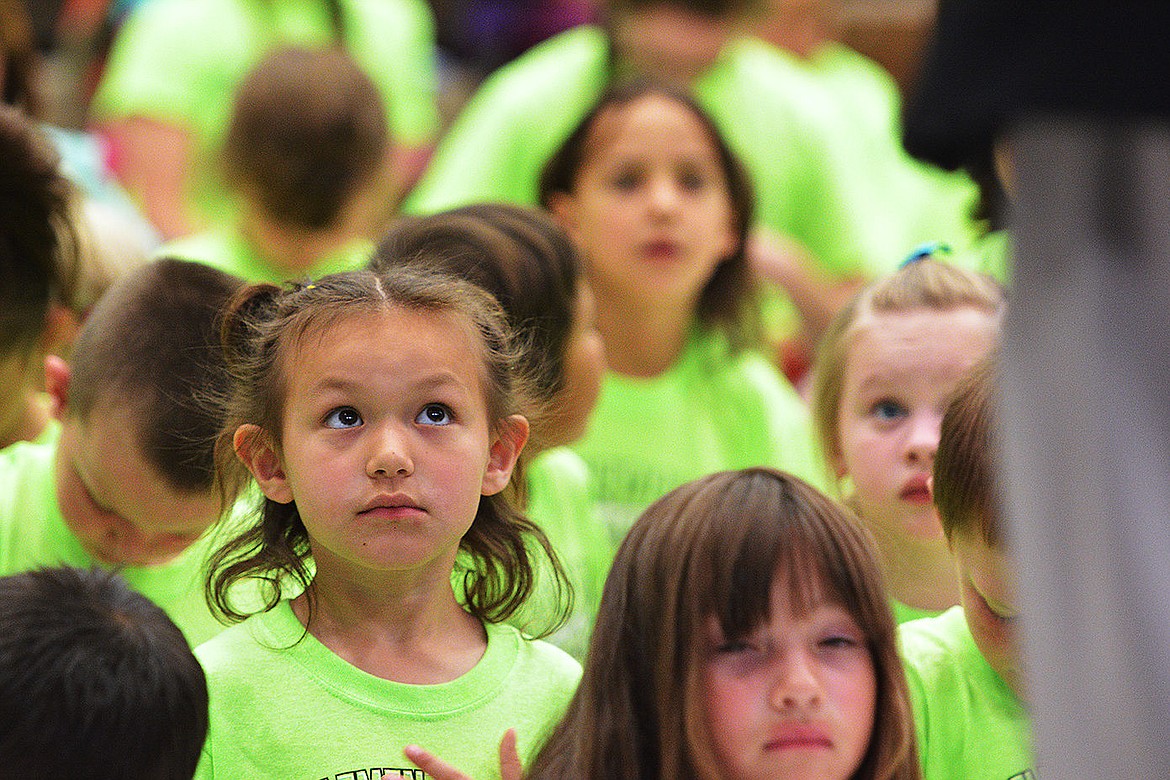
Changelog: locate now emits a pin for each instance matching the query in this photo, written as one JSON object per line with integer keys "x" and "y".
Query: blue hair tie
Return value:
{"x": 924, "y": 251}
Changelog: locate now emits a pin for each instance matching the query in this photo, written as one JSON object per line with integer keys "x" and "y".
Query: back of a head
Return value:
{"x": 517, "y": 254}
{"x": 95, "y": 682}
{"x": 34, "y": 200}
{"x": 308, "y": 131}
{"x": 152, "y": 345}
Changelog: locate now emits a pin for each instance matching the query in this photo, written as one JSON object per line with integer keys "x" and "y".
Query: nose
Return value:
{"x": 664, "y": 195}
{"x": 389, "y": 454}
{"x": 797, "y": 686}
{"x": 922, "y": 438}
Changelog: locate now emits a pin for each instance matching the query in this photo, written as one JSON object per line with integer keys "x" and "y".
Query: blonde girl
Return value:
{"x": 884, "y": 373}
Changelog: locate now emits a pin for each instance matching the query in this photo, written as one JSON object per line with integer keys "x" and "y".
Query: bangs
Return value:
{"x": 778, "y": 528}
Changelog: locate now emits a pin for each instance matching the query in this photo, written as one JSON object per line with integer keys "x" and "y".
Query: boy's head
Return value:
{"x": 307, "y": 136}
{"x": 95, "y": 681}
{"x": 135, "y": 463}
{"x": 34, "y": 272}
{"x": 968, "y": 504}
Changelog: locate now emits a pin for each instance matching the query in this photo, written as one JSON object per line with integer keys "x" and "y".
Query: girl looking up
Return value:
{"x": 885, "y": 371}
{"x": 744, "y": 634}
{"x": 660, "y": 209}
{"x": 377, "y": 415}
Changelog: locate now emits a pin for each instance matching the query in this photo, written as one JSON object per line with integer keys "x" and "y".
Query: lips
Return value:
{"x": 391, "y": 507}
{"x": 662, "y": 250}
{"x": 799, "y": 737}
{"x": 916, "y": 490}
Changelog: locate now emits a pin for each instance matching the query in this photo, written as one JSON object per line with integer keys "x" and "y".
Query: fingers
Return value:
{"x": 433, "y": 766}
{"x": 510, "y": 768}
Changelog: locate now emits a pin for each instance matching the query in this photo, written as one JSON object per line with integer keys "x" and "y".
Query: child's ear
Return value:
{"x": 57, "y": 375}
{"x": 562, "y": 206}
{"x": 255, "y": 450}
{"x": 505, "y": 451}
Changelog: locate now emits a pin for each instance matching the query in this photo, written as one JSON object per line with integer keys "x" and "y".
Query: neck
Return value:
{"x": 406, "y": 628}
{"x": 293, "y": 250}
{"x": 643, "y": 341}
{"x": 921, "y": 574}
{"x": 27, "y": 426}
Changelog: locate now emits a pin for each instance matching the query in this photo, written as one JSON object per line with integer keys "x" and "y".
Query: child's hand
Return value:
{"x": 510, "y": 768}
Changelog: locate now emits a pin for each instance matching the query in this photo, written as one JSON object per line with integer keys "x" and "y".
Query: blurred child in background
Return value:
{"x": 660, "y": 210}
{"x": 884, "y": 373}
{"x": 305, "y": 157}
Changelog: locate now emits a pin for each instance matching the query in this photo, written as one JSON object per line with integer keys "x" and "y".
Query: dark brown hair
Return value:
{"x": 517, "y": 254}
{"x": 728, "y": 301}
{"x": 717, "y": 9}
{"x": 263, "y": 326}
{"x": 964, "y": 467}
{"x": 151, "y": 344}
{"x": 34, "y": 261}
{"x": 308, "y": 131}
{"x": 95, "y": 675}
{"x": 19, "y": 59}
{"x": 713, "y": 547}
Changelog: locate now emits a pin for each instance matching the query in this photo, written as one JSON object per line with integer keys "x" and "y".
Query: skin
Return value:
{"x": 671, "y": 44}
{"x": 987, "y": 582}
{"x": 794, "y": 699}
{"x": 387, "y": 453}
{"x": 584, "y": 366}
{"x": 653, "y": 220}
{"x": 900, "y": 371}
{"x": 120, "y": 508}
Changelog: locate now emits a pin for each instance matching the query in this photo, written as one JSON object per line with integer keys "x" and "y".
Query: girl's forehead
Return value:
{"x": 649, "y": 115}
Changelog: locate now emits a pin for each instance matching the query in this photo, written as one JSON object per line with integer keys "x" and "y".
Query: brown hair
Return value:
{"x": 262, "y": 328}
{"x": 151, "y": 344}
{"x": 713, "y": 548}
{"x": 19, "y": 59}
{"x": 35, "y": 266}
{"x": 717, "y": 9}
{"x": 964, "y": 471}
{"x": 517, "y": 254}
{"x": 922, "y": 284}
{"x": 728, "y": 301}
{"x": 308, "y": 131}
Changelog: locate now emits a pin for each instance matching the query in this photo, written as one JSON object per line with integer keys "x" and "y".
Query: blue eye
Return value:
{"x": 887, "y": 410}
{"x": 434, "y": 414}
{"x": 343, "y": 417}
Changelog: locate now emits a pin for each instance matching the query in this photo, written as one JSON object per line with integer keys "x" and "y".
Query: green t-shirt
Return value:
{"x": 559, "y": 502}
{"x": 969, "y": 723}
{"x": 179, "y": 62}
{"x": 904, "y": 613}
{"x": 905, "y": 202}
{"x": 711, "y": 411}
{"x": 285, "y": 707}
{"x": 33, "y": 533}
{"x": 769, "y": 111}
{"x": 227, "y": 250}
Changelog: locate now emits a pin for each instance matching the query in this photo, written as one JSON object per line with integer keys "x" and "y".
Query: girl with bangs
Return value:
{"x": 744, "y": 633}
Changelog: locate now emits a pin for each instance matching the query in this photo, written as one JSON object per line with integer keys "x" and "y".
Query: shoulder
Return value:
{"x": 932, "y": 642}
{"x": 562, "y": 66}
{"x": 26, "y": 470}
{"x": 539, "y": 666}
{"x": 242, "y": 650}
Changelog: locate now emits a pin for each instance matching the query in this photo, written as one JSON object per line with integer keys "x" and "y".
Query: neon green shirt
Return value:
{"x": 559, "y": 502}
{"x": 228, "y": 250}
{"x": 711, "y": 411}
{"x": 904, "y": 613}
{"x": 33, "y": 533}
{"x": 179, "y": 62}
{"x": 768, "y": 110}
{"x": 970, "y": 724}
{"x": 905, "y": 202}
{"x": 285, "y": 707}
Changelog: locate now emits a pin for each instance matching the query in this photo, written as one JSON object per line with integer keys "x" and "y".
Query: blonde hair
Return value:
{"x": 922, "y": 284}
